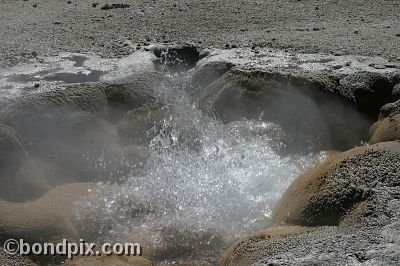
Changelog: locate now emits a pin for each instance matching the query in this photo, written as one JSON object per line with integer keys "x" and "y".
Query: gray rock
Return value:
{"x": 390, "y": 109}
{"x": 204, "y": 53}
{"x": 370, "y": 91}
{"x": 25, "y": 112}
{"x": 324, "y": 246}
{"x": 124, "y": 97}
{"x": 209, "y": 72}
{"x": 69, "y": 127}
{"x": 47, "y": 116}
{"x": 396, "y": 92}
{"x": 89, "y": 97}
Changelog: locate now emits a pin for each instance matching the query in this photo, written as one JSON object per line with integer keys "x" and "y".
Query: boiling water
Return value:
{"x": 213, "y": 180}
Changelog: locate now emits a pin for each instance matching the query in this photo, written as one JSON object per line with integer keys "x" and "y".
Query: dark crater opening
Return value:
{"x": 177, "y": 59}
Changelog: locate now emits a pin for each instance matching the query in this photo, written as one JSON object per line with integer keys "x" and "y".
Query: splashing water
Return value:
{"x": 201, "y": 174}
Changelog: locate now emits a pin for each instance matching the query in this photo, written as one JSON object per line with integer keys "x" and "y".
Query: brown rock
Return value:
{"x": 46, "y": 219}
{"x": 325, "y": 194}
{"x": 240, "y": 253}
{"x": 387, "y": 129}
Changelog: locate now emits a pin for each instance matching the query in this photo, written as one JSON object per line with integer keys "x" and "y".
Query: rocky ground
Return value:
{"x": 344, "y": 211}
{"x": 36, "y": 28}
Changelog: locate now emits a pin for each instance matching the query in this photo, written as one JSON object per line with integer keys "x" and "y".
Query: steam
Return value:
{"x": 177, "y": 171}
{"x": 201, "y": 176}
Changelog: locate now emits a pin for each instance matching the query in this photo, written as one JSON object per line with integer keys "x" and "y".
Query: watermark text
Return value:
{"x": 65, "y": 248}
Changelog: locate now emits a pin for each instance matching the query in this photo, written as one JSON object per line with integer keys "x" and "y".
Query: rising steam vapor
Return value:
{"x": 169, "y": 170}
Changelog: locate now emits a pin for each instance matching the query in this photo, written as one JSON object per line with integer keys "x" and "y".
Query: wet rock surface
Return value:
{"x": 209, "y": 72}
{"x": 67, "y": 128}
{"x": 108, "y": 129}
{"x": 134, "y": 126}
{"x": 63, "y": 128}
